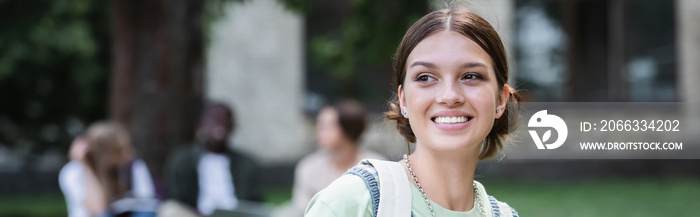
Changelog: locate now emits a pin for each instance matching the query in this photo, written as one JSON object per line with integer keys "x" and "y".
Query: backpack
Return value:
{"x": 385, "y": 181}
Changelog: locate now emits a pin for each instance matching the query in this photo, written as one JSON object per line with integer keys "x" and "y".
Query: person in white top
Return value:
{"x": 338, "y": 128}
{"x": 73, "y": 179}
{"x": 209, "y": 175}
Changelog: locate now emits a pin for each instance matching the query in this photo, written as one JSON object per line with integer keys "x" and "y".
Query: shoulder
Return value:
{"x": 183, "y": 160}
{"x": 183, "y": 153}
{"x": 140, "y": 170}
{"x": 241, "y": 157}
{"x": 139, "y": 164}
{"x": 313, "y": 160}
{"x": 367, "y": 154}
{"x": 71, "y": 175}
{"x": 346, "y": 196}
{"x": 498, "y": 208}
{"x": 502, "y": 208}
{"x": 71, "y": 168}
{"x": 242, "y": 164}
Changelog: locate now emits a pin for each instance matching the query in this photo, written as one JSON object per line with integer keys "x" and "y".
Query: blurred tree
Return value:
{"x": 52, "y": 71}
{"x": 157, "y": 69}
{"x": 352, "y": 53}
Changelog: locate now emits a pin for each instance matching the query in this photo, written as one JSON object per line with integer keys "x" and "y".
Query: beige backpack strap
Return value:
{"x": 394, "y": 189}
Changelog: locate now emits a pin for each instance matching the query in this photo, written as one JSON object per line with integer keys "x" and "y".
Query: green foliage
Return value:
{"x": 369, "y": 36}
{"x": 214, "y": 10}
{"x": 53, "y": 69}
{"x": 351, "y": 45}
{"x": 298, "y": 6}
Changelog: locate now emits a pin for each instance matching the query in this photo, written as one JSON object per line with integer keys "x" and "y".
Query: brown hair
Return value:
{"x": 351, "y": 117}
{"x": 476, "y": 28}
{"x": 108, "y": 152}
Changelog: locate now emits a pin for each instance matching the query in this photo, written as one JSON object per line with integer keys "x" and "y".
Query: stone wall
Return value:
{"x": 256, "y": 64}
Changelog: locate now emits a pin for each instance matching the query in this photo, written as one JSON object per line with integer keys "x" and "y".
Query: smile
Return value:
{"x": 451, "y": 120}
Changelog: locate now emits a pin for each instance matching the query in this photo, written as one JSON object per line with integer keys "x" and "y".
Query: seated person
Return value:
{"x": 94, "y": 181}
{"x": 209, "y": 175}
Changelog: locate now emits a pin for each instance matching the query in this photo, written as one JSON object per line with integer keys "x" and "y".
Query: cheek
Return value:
{"x": 419, "y": 98}
{"x": 323, "y": 133}
{"x": 334, "y": 134}
{"x": 328, "y": 135}
{"x": 484, "y": 100}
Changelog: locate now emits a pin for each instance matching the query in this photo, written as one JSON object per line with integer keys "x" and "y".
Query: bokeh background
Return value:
{"x": 153, "y": 64}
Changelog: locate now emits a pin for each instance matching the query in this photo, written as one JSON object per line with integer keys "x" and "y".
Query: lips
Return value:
{"x": 451, "y": 117}
{"x": 451, "y": 120}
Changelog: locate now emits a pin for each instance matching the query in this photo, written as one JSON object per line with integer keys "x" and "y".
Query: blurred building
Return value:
{"x": 255, "y": 63}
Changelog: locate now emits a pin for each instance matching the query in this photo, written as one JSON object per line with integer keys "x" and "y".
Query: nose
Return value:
{"x": 450, "y": 96}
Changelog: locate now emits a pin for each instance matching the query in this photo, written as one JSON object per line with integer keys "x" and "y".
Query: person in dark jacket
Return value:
{"x": 210, "y": 175}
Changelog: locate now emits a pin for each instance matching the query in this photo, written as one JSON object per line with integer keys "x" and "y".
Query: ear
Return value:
{"x": 503, "y": 101}
{"x": 402, "y": 98}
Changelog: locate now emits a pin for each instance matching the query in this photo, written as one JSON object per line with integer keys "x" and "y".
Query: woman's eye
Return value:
{"x": 471, "y": 76}
{"x": 424, "y": 78}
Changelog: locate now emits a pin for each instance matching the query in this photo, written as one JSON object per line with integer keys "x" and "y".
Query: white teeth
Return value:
{"x": 450, "y": 120}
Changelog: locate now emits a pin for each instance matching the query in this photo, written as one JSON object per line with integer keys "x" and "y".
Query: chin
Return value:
{"x": 323, "y": 146}
{"x": 454, "y": 143}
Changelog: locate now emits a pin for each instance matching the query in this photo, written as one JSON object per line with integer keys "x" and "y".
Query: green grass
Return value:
{"x": 599, "y": 198}
{"x": 276, "y": 196}
{"x": 42, "y": 205}
{"x": 674, "y": 197}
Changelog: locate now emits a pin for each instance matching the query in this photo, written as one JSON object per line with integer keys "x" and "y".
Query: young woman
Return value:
{"x": 453, "y": 102}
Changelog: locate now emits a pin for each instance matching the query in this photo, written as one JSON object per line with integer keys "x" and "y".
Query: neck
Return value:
{"x": 216, "y": 147}
{"x": 344, "y": 156}
{"x": 446, "y": 177}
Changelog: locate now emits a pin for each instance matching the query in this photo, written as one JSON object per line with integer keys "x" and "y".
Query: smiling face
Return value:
{"x": 450, "y": 93}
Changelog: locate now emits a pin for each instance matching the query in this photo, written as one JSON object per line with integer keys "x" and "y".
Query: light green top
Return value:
{"x": 348, "y": 196}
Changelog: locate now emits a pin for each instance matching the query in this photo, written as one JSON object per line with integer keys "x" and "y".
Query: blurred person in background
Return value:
{"x": 114, "y": 183}
{"x": 209, "y": 175}
{"x": 73, "y": 184}
{"x": 338, "y": 129}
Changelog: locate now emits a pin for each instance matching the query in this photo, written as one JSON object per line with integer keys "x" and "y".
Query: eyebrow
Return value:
{"x": 432, "y": 66}
{"x": 425, "y": 64}
{"x": 473, "y": 65}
